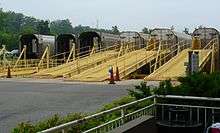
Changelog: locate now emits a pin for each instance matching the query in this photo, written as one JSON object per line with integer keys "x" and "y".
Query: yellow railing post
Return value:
{"x": 77, "y": 65}
{"x": 121, "y": 49}
{"x": 213, "y": 59}
{"x": 23, "y": 52}
{"x": 95, "y": 46}
{"x": 4, "y": 56}
{"x": 25, "y": 55}
{"x": 48, "y": 56}
{"x": 6, "y": 63}
{"x": 43, "y": 56}
{"x": 217, "y": 54}
{"x": 127, "y": 48}
{"x": 72, "y": 53}
{"x": 158, "y": 53}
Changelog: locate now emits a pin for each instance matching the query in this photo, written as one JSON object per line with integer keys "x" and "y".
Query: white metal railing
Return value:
{"x": 203, "y": 114}
{"x": 157, "y": 108}
{"x": 110, "y": 125}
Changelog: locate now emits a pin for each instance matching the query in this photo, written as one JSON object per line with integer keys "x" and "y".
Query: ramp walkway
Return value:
{"x": 175, "y": 67}
{"x": 78, "y": 65}
{"x": 127, "y": 64}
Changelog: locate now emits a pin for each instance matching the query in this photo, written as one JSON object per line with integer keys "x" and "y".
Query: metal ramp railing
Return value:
{"x": 175, "y": 68}
{"x": 81, "y": 62}
{"x": 129, "y": 59}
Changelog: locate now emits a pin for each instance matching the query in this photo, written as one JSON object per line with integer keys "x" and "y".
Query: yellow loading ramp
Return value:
{"x": 25, "y": 67}
{"x": 127, "y": 64}
{"x": 14, "y": 71}
{"x": 175, "y": 67}
{"x": 78, "y": 65}
{"x": 19, "y": 72}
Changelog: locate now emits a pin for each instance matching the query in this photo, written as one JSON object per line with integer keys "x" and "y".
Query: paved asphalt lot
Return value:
{"x": 32, "y": 100}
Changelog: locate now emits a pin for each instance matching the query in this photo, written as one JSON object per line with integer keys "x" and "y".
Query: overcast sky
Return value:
{"x": 127, "y": 14}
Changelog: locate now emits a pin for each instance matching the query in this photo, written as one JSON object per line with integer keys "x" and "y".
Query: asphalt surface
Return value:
{"x": 33, "y": 100}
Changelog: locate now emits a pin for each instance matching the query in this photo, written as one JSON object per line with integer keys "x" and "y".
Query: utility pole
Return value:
{"x": 97, "y": 23}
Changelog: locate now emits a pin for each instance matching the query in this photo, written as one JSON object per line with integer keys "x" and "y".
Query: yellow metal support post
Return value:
{"x": 178, "y": 49}
{"x": 121, "y": 50}
{"x": 48, "y": 57}
{"x": 5, "y": 61}
{"x": 72, "y": 53}
{"x": 95, "y": 46}
{"x": 25, "y": 56}
{"x": 158, "y": 54}
{"x": 77, "y": 65}
{"x": 4, "y": 56}
{"x": 213, "y": 59}
{"x": 217, "y": 54}
{"x": 127, "y": 48}
{"x": 43, "y": 56}
{"x": 23, "y": 52}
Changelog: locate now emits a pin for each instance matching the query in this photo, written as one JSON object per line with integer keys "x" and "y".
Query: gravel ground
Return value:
{"x": 34, "y": 100}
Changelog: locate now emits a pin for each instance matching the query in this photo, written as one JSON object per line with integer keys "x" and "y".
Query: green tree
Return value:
{"x": 29, "y": 25}
{"x": 79, "y": 29}
{"x": 61, "y": 27}
{"x": 43, "y": 27}
{"x": 13, "y": 22}
{"x": 2, "y": 20}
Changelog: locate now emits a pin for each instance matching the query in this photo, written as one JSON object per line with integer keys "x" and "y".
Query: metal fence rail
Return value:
{"x": 110, "y": 125}
{"x": 198, "y": 113}
{"x": 157, "y": 108}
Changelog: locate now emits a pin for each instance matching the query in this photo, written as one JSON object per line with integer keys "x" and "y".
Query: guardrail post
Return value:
{"x": 123, "y": 115}
{"x": 190, "y": 115}
{"x": 213, "y": 116}
{"x": 64, "y": 131}
{"x": 198, "y": 115}
{"x": 155, "y": 106}
{"x": 169, "y": 116}
{"x": 162, "y": 112}
{"x": 205, "y": 118}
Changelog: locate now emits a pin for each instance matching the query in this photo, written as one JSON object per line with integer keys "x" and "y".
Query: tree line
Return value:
{"x": 12, "y": 25}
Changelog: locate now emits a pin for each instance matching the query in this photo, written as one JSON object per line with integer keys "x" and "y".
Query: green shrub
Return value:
{"x": 26, "y": 127}
{"x": 201, "y": 84}
{"x": 198, "y": 84}
{"x": 140, "y": 91}
{"x": 118, "y": 102}
{"x": 165, "y": 88}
